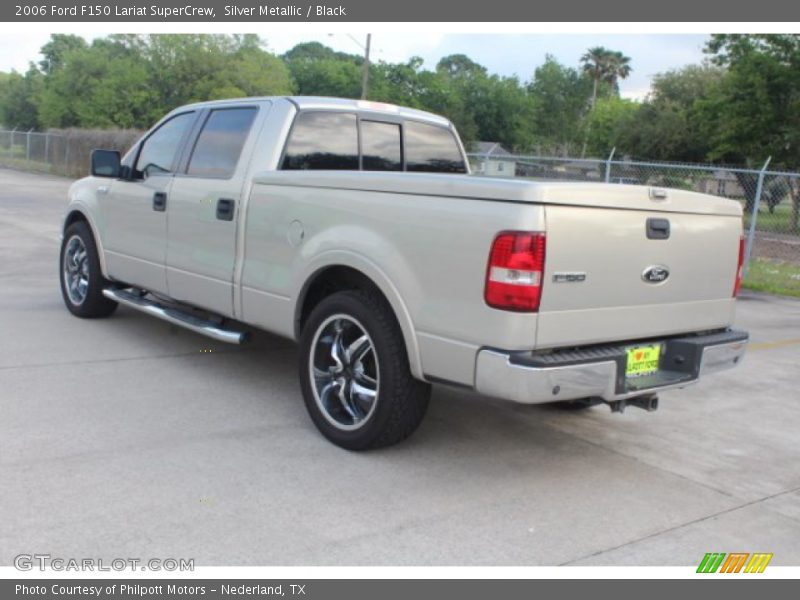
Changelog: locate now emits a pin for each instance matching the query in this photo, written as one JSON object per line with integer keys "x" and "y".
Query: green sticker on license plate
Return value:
{"x": 643, "y": 360}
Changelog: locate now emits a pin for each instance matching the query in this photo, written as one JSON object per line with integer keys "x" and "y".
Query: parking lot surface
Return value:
{"x": 127, "y": 437}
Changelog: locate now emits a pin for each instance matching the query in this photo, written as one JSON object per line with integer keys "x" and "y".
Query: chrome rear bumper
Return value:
{"x": 600, "y": 372}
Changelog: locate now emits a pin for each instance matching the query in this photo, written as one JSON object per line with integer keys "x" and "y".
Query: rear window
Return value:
{"x": 330, "y": 141}
{"x": 432, "y": 149}
{"x": 323, "y": 140}
{"x": 380, "y": 146}
{"x": 220, "y": 144}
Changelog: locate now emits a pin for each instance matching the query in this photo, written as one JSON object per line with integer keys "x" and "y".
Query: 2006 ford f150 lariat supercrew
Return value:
{"x": 355, "y": 228}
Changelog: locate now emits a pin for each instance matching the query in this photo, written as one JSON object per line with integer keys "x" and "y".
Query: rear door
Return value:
{"x": 620, "y": 273}
{"x": 205, "y": 201}
{"x": 134, "y": 211}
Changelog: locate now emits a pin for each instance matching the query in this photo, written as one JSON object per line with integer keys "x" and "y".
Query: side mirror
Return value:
{"x": 105, "y": 163}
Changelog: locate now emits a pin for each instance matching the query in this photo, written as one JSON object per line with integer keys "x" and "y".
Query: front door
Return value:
{"x": 134, "y": 210}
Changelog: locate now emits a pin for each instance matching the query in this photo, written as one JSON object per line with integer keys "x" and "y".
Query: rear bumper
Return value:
{"x": 599, "y": 371}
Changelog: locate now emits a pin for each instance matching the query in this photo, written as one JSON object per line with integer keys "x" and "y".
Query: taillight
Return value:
{"x": 740, "y": 268}
{"x": 515, "y": 271}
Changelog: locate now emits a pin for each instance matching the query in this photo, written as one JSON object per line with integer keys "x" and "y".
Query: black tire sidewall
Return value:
{"x": 391, "y": 365}
{"x": 94, "y": 304}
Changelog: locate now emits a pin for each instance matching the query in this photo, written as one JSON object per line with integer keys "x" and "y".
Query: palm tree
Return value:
{"x": 602, "y": 64}
{"x": 595, "y": 64}
{"x": 617, "y": 67}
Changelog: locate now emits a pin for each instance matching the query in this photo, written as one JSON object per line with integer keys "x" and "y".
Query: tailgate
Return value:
{"x": 606, "y": 280}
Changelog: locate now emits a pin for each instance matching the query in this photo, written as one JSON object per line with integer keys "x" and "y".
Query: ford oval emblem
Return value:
{"x": 655, "y": 274}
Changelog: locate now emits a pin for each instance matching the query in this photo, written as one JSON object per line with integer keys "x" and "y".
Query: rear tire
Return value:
{"x": 354, "y": 373}
{"x": 81, "y": 279}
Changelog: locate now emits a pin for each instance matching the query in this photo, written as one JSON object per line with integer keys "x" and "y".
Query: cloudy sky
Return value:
{"x": 506, "y": 54}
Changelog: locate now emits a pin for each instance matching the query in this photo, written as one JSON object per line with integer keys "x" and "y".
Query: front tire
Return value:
{"x": 354, "y": 373}
{"x": 82, "y": 281}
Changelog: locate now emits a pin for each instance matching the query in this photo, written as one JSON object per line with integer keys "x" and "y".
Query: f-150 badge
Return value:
{"x": 569, "y": 277}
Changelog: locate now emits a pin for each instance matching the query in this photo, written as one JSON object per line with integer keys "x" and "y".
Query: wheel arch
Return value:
{"x": 77, "y": 214}
{"x": 339, "y": 276}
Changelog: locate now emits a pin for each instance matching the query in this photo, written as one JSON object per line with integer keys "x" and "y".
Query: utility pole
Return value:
{"x": 365, "y": 76}
{"x": 365, "y": 69}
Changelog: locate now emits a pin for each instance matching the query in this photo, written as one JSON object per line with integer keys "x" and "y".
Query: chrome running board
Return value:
{"x": 176, "y": 316}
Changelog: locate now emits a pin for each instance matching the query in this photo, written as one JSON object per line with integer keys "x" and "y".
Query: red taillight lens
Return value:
{"x": 515, "y": 272}
{"x": 740, "y": 268}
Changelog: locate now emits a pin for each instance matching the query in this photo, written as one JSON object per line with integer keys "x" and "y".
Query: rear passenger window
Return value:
{"x": 220, "y": 144}
{"x": 433, "y": 149}
{"x": 323, "y": 140}
{"x": 380, "y": 146}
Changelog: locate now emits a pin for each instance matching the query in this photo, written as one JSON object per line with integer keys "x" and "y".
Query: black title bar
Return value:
{"x": 398, "y": 11}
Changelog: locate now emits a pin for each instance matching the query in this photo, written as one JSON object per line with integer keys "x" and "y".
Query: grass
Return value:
{"x": 15, "y": 159}
{"x": 779, "y": 221}
{"x": 774, "y": 277}
{"x": 26, "y": 165}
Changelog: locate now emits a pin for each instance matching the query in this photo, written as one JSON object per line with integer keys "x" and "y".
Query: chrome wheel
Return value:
{"x": 343, "y": 367}
{"x": 76, "y": 270}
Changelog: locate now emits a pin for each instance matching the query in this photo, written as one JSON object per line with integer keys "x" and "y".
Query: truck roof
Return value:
{"x": 326, "y": 103}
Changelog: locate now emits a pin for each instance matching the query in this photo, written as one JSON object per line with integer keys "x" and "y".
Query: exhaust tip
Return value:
{"x": 648, "y": 402}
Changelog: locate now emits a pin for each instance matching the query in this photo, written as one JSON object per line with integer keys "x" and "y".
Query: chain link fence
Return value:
{"x": 60, "y": 152}
{"x": 770, "y": 199}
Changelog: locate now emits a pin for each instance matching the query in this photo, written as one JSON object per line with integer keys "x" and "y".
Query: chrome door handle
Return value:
{"x": 103, "y": 189}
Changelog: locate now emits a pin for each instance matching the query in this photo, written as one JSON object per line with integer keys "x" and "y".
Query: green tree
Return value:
{"x": 103, "y": 85}
{"x": 609, "y": 123}
{"x": 4, "y": 77}
{"x": 437, "y": 95}
{"x": 55, "y": 49}
{"x": 327, "y": 77}
{"x": 670, "y": 125}
{"x": 318, "y": 70}
{"x": 492, "y": 108}
{"x": 503, "y": 111}
{"x": 255, "y": 72}
{"x": 399, "y": 83}
{"x": 21, "y": 95}
{"x": 559, "y": 94}
{"x": 186, "y": 68}
{"x": 132, "y": 80}
{"x": 756, "y": 110}
{"x": 607, "y": 66}
{"x": 318, "y": 51}
{"x": 460, "y": 66}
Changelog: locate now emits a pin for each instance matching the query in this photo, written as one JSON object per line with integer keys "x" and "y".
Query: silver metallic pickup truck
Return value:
{"x": 356, "y": 229}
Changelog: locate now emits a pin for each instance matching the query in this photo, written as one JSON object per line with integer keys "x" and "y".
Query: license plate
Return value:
{"x": 642, "y": 360}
